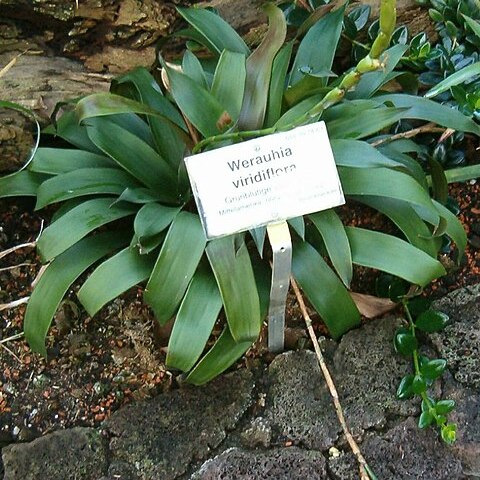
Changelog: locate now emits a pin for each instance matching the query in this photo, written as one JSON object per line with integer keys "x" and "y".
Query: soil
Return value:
{"x": 96, "y": 365}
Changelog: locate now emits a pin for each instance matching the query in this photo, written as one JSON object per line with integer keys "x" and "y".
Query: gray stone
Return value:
{"x": 298, "y": 403}
{"x": 257, "y": 434}
{"x": 159, "y": 438}
{"x": 276, "y": 464}
{"x": 466, "y": 415}
{"x": 459, "y": 342}
{"x": 403, "y": 453}
{"x": 367, "y": 372}
{"x": 75, "y": 454}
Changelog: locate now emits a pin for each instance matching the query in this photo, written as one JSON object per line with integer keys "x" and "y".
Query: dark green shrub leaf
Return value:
{"x": 55, "y": 161}
{"x": 404, "y": 390}
{"x": 114, "y": 277}
{"x": 392, "y": 255}
{"x": 431, "y": 321}
{"x": 83, "y": 182}
{"x": 426, "y": 419}
{"x": 325, "y": 33}
{"x": 23, "y": 183}
{"x": 224, "y": 353}
{"x": 176, "y": 263}
{"x": 230, "y": 262}
{"x": 435, "y": 15}
{"x": 405, "y": 343}
{"x": 214, "y": 32}
{"x": 433, "y": 369}
{"x": 77, "y": 223}
{"x": 194, "y": 321}
{"x": 442, "y": 407}
{"x": 259, "y": 69}
{"x": 332, "y": 301}
{"x": 336, "y": 242}
{"x": 57, "y": 279}
{"x": 419, "y": 384}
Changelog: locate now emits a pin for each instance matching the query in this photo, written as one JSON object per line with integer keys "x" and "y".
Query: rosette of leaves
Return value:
{"x": 125, "y": 205}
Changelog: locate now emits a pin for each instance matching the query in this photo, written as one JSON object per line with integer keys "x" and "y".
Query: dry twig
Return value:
{"x": 15, "y": 303}
{"x": 365, "y": 472}
{"x": 428, "y": 128}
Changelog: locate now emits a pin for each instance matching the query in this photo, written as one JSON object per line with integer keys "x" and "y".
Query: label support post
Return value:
{"x": 281, "y": 242}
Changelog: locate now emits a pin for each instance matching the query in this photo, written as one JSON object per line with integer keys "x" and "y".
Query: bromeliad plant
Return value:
{"x": 125, "y": 169}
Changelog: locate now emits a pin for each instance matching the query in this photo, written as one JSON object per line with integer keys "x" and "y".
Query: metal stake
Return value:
{"x": 281, "y": 242}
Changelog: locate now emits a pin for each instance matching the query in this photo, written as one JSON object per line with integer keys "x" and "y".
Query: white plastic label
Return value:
{"x": 265, "y": 180}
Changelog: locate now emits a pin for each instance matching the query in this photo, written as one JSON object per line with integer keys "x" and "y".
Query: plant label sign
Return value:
{"x": 265, "y": 180}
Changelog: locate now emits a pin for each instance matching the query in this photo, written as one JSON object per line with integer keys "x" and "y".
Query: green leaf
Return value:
{"x": 229, "y": 82}
{"x": 322, "y": 37}
{"x": 336, "y": 242}
{"x": 224, "y": 353}
{"x": 431, "y": 321}
{"x": 192, "y": 67}
{"x": 194, "y": 322}
{"x": 419, "y": 384}
{"x": 384, "y": 182}
{"x": 372, "y": 122}
{"x": 455, "y": 228}
{"x": 359, "y": 154}
{"x": 392, "y": 255}
{"x": 216, "y": 33}
{"x": 56, "y": 280}
{"x": 114, "y": 277}
{"x": 370, "y": 82}
{"x": 463, "y": 75}
{"x": 324, "y": 290}
{"x": 297, "y": 111}
{"x": 81, "y": 182}
{"x": 137, "y": 195}
{"x": 439, "y": 181}
{"x": 148, "y": 91}
{"x": 424, "y": 109}
{"x": 176, "y": 263}
{"x": 406, "y": 219}
{"x": 449, "y": 433}
{"x": 126, "y": 149}
{"x": 433, "y": 369}
{"x": 168, "y": 130}
{"x": 259, "y": 69}
{"x": 277, "y": 84}
{"x": 67, "y": 127}
{"x": 298, "y": 224}
{"x": 426, "y": 418}
{"x": 473, "y": 24}
{"x": 405, "y": 343}
{"x": 76, "y": 224}
{"x": 404, "y": 390}
{"x": 23, "y": 183}
{"x": 55, "y": 161}
{"x": 105, "y": 104}
{"x": 198, "y": 105}
{"x": 442, "y": 407}
{"x": 233, "y": 271}
{"x": 152, "y": 219}
{"x": 462, "y": 174}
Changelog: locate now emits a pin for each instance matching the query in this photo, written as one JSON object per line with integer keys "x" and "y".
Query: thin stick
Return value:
{"x": 13, "y": 267}
{"x": 13, "y": 337}
{"x": 364, "y": 468}
{"x": 15, "y": 303}
{"x": 10, "y": 352}
{"x": 428, "y": 128}
{"x": 18, "y": 247}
